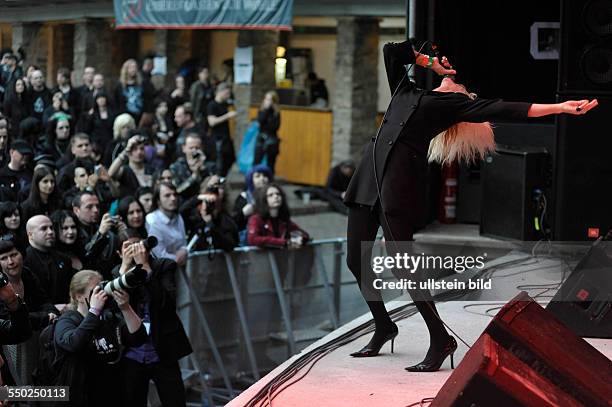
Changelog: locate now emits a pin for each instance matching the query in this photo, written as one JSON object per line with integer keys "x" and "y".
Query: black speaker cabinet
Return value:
{"x": 469, "y": 193}
{"x": 583, "y": 173}
{"x": 509, "y": 179}
{"x": 586, "y": 47}
{"x": 526, "y": 357}
{"x": 584, "y": 302}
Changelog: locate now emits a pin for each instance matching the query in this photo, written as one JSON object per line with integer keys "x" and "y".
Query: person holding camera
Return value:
{"x": 189, "y": 170}
{"x": 155, "y": 303}
{"x": 59, "y": 104}
{"x": 99, "y": 238}
{"x": 89, "y": 338}
{"x": 85, "y": 176}
{"x": 130, "y": 169}
{"x": 214, "y": 226}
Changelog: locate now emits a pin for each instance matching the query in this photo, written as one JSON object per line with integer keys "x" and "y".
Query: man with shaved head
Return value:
{"x": 53, "y": 269}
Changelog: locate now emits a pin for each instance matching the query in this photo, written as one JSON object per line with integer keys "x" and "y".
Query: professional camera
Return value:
{"x": 135, "y": 277}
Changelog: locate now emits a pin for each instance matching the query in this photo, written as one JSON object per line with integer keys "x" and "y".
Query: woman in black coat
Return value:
{"x": 267, "y": 143}
{"x": 98, "y": 121}
{"x": 388, "y": 187}
{"x": 15, "y": 104}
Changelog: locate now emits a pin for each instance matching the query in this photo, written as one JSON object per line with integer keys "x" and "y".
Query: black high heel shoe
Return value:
{"x": 372, "y": 348}
{"x": 433, "y": 363}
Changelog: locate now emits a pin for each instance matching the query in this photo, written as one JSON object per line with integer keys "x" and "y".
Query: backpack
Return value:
{"x": 45, "y": 373}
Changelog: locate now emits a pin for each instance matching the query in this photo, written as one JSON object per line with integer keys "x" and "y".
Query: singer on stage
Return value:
{"x": 388, "y": 188}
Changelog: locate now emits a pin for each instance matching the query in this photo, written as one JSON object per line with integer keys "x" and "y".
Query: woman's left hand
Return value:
{"x": 122, "y": 299}
{"x": 577, "y": 107}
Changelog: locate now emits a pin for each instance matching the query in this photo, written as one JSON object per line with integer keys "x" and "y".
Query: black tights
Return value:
{"x": 363, "y": 224}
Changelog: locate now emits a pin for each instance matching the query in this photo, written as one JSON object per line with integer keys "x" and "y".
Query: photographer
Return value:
{"x": 135, "y": 173}
{"x": 89, "y": 338}
{"x": 100, "y": 241}
{"x": 167, "y": 342}
{"x": 190, "y": 170}
{"x": 215, "y": 227}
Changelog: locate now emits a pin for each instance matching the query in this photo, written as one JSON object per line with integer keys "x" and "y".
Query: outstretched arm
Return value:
{"x": 575, "y": 107}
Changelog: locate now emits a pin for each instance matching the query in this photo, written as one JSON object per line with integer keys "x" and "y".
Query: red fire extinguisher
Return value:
{"x": 447, "y": 210}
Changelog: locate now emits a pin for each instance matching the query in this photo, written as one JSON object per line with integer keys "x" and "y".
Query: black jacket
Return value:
{"x": 269, "y": 121}
{"x": 39, "y": 304}
{"x": 54, "y": 271}
{"x": 167, "y": 332}
{"x": 100, "y": 250}
{"x": 414, "y": 117}
{"x": 16, "y": 329}
{"x": 81, "y": 366}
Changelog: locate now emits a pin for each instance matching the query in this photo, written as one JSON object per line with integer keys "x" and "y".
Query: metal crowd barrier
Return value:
{"x": 231, "y": 302}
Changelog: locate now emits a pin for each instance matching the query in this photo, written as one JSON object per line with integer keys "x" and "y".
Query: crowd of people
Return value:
{"x": 87, "y": 174}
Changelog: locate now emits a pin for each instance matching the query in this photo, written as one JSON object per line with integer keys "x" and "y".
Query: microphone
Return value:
{"x": 435, "y": 50}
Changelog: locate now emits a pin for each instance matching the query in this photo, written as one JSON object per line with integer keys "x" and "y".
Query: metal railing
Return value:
{"x": 213, "y": 279}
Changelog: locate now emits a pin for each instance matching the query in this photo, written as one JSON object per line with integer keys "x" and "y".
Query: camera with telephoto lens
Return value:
{"x": 134, "y": 277}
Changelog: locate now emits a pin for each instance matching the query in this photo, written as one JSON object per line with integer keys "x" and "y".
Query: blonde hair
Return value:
{"x": 79, "y": 283}
{"x": 465, "y": 142}
{"x": 123, "y": 73}
{"x": 121, "y": 121}
{"x": 275, "y": 100}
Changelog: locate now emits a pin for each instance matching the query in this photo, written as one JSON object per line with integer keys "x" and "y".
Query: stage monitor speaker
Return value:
{"x": 469, "y": 193}
{"x": 528, "y": 357}
{"x": 509, "y": 179}
{"x": 583, "y": 173}
{"x": 584, "y": 302}
{"x": 491, "y": 375}
{"x": 585, "y": 63}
